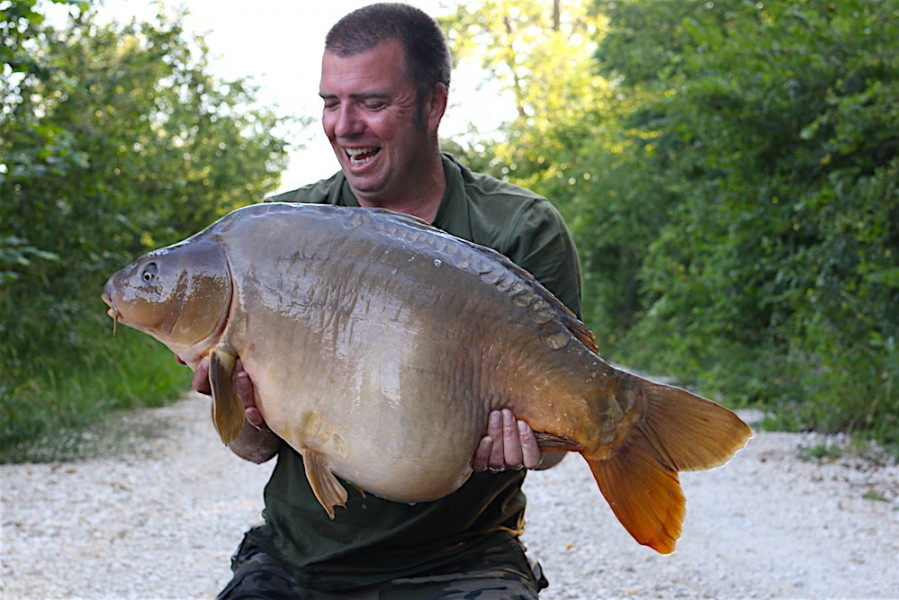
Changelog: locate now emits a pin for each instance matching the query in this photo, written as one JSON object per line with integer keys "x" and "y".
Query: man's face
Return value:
{"x": 369, "y": 109}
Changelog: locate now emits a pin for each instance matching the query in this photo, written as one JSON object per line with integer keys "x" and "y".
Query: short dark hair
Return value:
{"x": 427, "y": 55}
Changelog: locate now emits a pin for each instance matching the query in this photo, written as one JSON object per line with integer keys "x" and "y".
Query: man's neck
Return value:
{"x": 422, "y": 200}
{"x": 424, "y": 210}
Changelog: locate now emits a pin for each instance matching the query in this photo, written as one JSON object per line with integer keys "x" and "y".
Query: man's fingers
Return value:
{"x": 482, "y": 454}
{"x": 509, "y": 443}
{"x": 530, "y": 449}
{"x": 512, "y": 456}
{"x": 495, "y": 431}
{"x": 254, "y": 417}
{"x": 245, "y": 389}
{"x": 201, "y": 378}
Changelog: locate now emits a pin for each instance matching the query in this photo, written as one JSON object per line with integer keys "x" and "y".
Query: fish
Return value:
{"x": 379, "y": 344}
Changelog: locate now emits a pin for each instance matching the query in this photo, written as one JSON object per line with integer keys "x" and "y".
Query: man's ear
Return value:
{"x": 436, "y": 106}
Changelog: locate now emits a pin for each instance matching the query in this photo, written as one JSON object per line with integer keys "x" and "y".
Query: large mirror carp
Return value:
{"x": 378, "y": 345}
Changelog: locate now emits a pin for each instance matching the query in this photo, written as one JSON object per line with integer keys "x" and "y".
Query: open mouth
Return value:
{"x": 361, "y": 156}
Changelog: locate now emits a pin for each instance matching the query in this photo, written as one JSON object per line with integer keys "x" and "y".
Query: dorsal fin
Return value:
{"x": 582, "y": 333}
{"x": 577, "y": 328}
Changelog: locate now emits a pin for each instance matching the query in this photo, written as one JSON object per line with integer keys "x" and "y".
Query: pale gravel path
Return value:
{"x": 161, "y": 520}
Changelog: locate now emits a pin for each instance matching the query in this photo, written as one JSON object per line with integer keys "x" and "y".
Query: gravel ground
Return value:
{"x": 159, "y": 517}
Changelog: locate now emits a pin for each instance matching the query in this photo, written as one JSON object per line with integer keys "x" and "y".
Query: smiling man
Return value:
{"x": 383, "y": 129}
{"x": 384, "y": 84}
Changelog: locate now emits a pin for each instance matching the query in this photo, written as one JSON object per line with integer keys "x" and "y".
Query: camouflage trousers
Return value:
{"x": 501, "y": 573}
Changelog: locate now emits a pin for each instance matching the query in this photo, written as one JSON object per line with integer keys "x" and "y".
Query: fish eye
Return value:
{"x": 149, "y": 272}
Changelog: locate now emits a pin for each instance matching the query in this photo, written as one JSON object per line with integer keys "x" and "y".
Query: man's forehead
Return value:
{"x": 388, "y": 54}
{"x": 374, "y": 72}
{"x": 388, "y": 46}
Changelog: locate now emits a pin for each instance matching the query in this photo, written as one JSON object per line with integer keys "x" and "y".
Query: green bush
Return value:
{"x": 772, "y": 129}
{"x": 733, "y": 196}
{"x": 114, "y": 140}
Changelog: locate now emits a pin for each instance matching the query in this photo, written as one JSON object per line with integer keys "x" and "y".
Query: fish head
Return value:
{"x": 180, "y": 295}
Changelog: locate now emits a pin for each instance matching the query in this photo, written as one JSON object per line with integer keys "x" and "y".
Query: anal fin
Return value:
{"x": 326, "y": 487}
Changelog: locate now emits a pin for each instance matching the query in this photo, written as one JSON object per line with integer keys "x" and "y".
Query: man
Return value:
{"x": 384, "y": 82}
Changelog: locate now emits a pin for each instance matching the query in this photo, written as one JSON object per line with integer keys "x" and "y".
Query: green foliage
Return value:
{"x": 875, "y": 496}
{"x": 821, "y": 453}
{"x": 775, "y": 127}
{"x": 18, "y": 21}
{"x": 563, "y": 143}
{"x": 15, "y": 254}
{"x": 113, "y": 141}
{"x": 80, "y": 390}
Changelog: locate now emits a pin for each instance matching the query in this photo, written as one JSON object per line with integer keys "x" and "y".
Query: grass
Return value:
{"x": 60, "y": 413}
{"x": 824, "y": 452}
{"x": 874, "y": 496}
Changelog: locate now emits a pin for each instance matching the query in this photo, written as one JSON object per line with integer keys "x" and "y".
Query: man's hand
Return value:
{"x": 510, "y": 444}
{"x": 245, "y": 390}
{"x": 256, "y": 442}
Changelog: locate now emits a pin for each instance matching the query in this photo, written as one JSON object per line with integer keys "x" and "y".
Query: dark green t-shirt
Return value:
{"x": 374, "y": 540}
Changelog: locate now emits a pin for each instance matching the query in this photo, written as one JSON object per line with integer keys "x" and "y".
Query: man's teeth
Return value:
{"x": 360, "y": 156}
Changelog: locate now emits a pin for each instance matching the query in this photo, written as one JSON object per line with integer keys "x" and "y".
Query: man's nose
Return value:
{"x": 347, "y": 121}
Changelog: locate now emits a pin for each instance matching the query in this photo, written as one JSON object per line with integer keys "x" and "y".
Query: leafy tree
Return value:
{"x": 773, "y": 125}
{"x": 118, "y": 142}
{"x": 563, "y": 142}
{"x": 48, "y": 146}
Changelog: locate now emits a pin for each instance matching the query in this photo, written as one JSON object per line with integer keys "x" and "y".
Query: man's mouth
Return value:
{"x": 361, "y": 156}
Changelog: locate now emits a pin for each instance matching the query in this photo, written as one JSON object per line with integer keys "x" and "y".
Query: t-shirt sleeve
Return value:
{"x": 540, "y": 242}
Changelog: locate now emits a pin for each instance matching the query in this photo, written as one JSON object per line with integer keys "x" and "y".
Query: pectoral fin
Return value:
{"x": 227, "y": 408}
{"x": 327, "y": 489}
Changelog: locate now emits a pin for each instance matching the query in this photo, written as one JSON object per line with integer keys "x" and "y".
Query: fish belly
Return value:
{"x": 383, "y": 418}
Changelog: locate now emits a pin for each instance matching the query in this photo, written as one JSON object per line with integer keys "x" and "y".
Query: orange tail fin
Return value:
{"x": 678, "y": 431}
